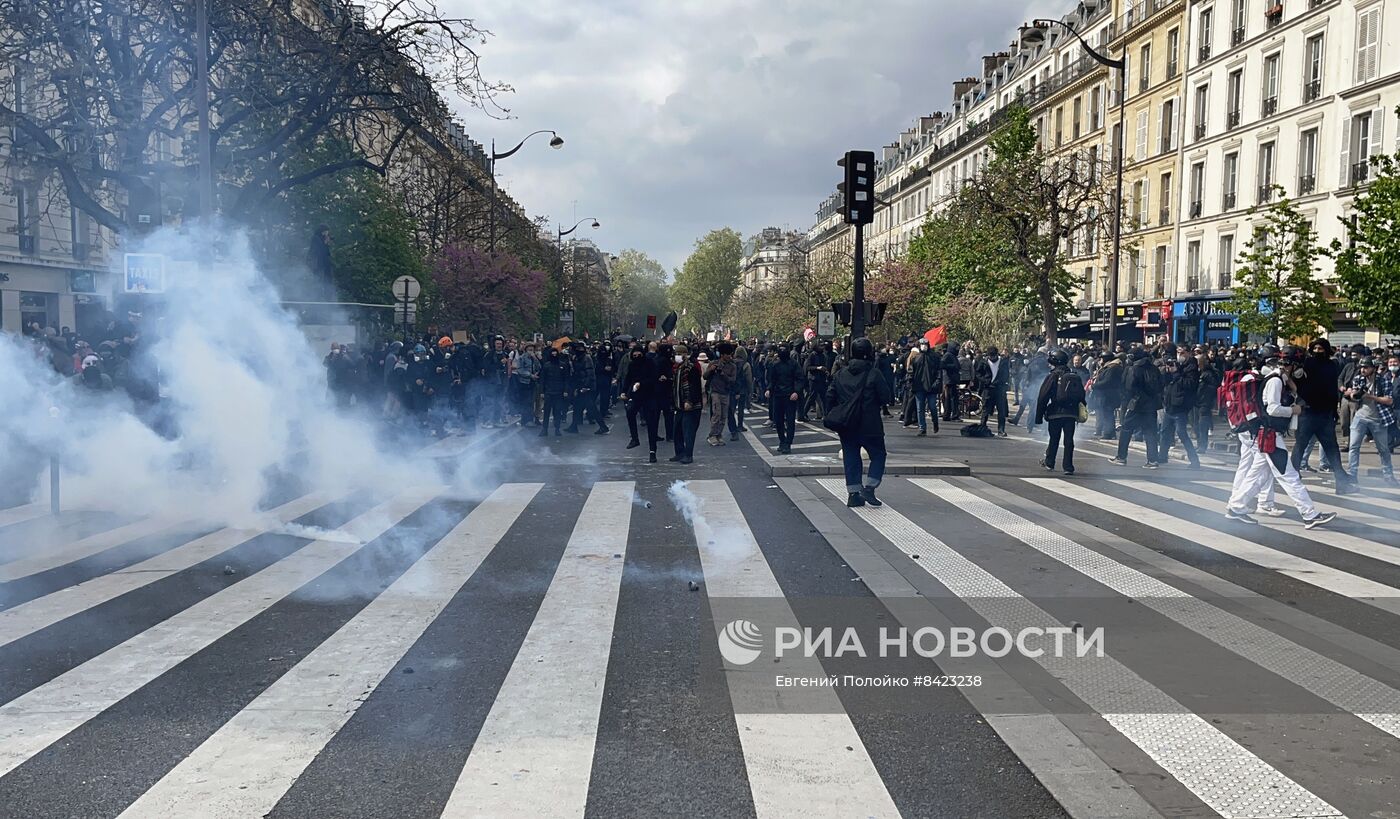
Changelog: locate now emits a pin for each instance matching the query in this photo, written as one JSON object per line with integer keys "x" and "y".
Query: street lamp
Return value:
{"x": 561, "y": 234}
{"x": 1121, "y": 66}
{"x": 556, "y": 142}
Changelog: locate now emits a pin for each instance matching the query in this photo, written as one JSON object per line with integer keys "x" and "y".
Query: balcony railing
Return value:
{"x": 1269, "y": 106}
{"x": 1200, "y": 131}
{"x": 27, "y": 244}
{"x": 1274, "y": 15}
{"x": 1225, "y": 279}
{"x": 1228, "y": 201}
{"x": 1173, "y": 68}
{"x": 1360, "y": 172}
{"x": 1232, "y": 120}
{"x": 1236, "y": 36}
{"x": 1306, "y": 185}
{"x": 1165, "y": 216}
{"x": 1196, "y": 208}
{"x": 1266, "y": 192}
{"x": 1203, "y": 53}
{"x": 1312, "y": 91}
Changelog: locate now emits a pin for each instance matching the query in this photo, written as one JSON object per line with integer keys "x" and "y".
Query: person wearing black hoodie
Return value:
{"x": 1057, "y": 406}
{"x": 1142, "y": 397}
{"x": 858, "y": 382}
{"x": 784, "y": 379}
{"x": 554, "y": 387}
{"x": 1178, "y": 399}
{"x": 637, "y": 385}
{"x": 1318, "y": 418}
{"x": 951, "y": 372}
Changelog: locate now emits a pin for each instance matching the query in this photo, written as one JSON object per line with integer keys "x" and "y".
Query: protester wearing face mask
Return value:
{"x": 925, "y": 381}
{"x": 784, "y": 378}
{"x": 554, "y": 385}
{"x": 1317, "y": 423}
{"x": 688, "y": 396}
{"x": 993, "y": 376}
{"x": 1182, "y": 380}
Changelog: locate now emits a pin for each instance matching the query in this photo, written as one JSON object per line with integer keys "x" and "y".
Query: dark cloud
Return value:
{"x": 681, "y": 116}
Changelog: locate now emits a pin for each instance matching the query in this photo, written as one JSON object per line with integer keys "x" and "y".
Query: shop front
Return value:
{"x": 1129, "y": 314}
{"x": 1204, "y": 320}
{"x": 1156, "y": 321}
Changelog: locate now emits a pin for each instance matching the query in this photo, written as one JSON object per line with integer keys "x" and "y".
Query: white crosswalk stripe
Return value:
{"x": 251, "y": 761}
{"x": 32, "y": 722}
{"x": 54, "y": 556}
{"x": 19, "y": 514}
{"x": 534, "y": 755}
{"x": 546, "y": 715}
{"x": 1217, "y": 769}
{"x": 29, "y": 617}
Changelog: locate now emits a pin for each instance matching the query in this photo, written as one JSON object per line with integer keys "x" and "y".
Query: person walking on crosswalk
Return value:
{"x": 784, "y": 378}
{"x": 1057, "y": 406}
{"x": 1263, "y": 458}
{"x": 1142, "y": 395}
{"x": 689, "y": 396}
{"x": 854, "y": 399}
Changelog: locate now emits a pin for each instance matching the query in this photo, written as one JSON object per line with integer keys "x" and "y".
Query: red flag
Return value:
{"x": 936, "y": 336}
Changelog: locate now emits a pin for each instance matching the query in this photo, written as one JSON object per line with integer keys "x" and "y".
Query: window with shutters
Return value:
{"x": 1268, "y": 105}
{"x": 1059, "y": 126}
{"x": 1361, "y": 140}
{"x": 1159, "y": 272}
{"x": 1141, "y": 152}
{"x": 1368, "y": 43}
{"x": 1237, "y": 23}
{"x": 1078, "y": 116}
{"x": 1313, "y": 57}
{"x": 1144, "y": 202}
{"x": 1231, "y": 182}
{"x": 1139, "y": 204}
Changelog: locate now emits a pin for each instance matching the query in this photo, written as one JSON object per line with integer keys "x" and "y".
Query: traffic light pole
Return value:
{"x": 858, "y": 297}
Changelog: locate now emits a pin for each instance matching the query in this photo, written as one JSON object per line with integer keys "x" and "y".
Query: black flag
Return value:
{"x": 669, "y": 323}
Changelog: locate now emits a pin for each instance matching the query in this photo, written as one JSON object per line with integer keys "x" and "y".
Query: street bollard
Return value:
{"x": 53, "y": 484}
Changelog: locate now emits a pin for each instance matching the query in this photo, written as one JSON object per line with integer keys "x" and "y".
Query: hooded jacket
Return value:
{"x": 847, "y": 382}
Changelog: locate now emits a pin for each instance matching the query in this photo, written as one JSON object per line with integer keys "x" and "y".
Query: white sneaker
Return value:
{"x": 1272, "y": 511}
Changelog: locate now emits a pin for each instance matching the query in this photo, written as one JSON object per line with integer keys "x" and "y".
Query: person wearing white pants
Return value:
{"x": 1257, "y": 470}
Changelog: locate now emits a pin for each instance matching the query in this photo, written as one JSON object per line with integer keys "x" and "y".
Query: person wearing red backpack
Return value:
{"x": 1264, "y": 416}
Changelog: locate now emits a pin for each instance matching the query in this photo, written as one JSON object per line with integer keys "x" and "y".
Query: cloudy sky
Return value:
{"x": 681, "y": 116}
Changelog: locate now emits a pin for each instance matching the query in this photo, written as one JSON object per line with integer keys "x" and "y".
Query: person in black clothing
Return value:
{"x": 925, "y": 380}
{"x": 993, "y": 374}
{"x": 818, "y": 367}
{"x": 1061, "y": 394}
{"x": 1183, "y": 379}
{"x": 582, "y": 382}
{"x": 782, "y": 394}
{"x": 1142, "y": 396}
{"x": 605, "y": 369}
{"x": 1108, "y": 396}
{"x": 1205, "y": 400}
{"x": 636, "y": 389}
{"x": 1318, "y": 418}
{"x": 857, "y": 381}
{"x": 951, "y": 372}
{"x": 688, "y": 397}
{"x": 554, "y": 387}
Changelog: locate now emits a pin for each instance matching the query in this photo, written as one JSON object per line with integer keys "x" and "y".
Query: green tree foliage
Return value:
{"x": 1368, "y": 266}
{"x": 1276, "y": 289}
{"x": 988, "y": 320}
{"x": 962, "y": 254}
{"x": 706, "y": 282}
{"x": 638, "y": 291}
{"x": 1030, "y": 204}
{"x": 371, "y": 238}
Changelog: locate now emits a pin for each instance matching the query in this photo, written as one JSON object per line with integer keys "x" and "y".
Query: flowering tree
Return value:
{"x": 486, "y": 292}
{"x": 906, "y": 287}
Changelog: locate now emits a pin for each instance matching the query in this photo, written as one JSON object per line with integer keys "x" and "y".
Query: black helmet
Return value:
{"x": 1058, "y": 358}
{"x": 1268, "y": 353}
{"x": 862, "y": 348}
{"x": 1292, "y": 355}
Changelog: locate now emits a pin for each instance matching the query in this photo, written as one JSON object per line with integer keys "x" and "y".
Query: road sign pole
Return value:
{"x": 858, "y": 297}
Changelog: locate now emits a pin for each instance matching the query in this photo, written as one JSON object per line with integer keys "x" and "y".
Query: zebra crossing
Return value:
{"x": 425, "y": 654}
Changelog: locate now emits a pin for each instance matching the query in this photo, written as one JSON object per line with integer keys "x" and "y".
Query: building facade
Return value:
{"x": 769, "y": 257}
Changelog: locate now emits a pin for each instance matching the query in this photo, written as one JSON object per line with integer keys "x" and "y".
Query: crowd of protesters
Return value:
{"x": 105, "y": 360}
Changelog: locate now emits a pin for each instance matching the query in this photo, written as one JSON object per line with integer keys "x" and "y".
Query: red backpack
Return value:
{"x": 1241, "y": 394}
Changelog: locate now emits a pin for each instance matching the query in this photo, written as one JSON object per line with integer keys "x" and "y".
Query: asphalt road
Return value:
{"x": 542, "y": 640}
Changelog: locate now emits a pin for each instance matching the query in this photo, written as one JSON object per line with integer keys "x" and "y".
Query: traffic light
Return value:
{"x": 858, "y": 187}
{"x": 842, "y": 309}
{"x": 875, "y": 313}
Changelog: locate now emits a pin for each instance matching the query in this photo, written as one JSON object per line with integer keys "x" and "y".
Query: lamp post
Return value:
{"x": 556, "y": 142}
{"x": 1121, "y": 66}
{"x": 565, "y": 296}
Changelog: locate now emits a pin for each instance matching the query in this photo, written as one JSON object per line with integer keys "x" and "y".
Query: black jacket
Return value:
{"x": 926, "y": 372}
{"x": 1054, "y": 402}
{"x": 1316, "y": 389}
{"x": 554, "y": 376}
{"x": 1142, "y": 387}
{"x": 1180, "y": 393}
{"x": 784, "y": 378}
{"x": 641, "y": 379}
{"x": 846, "y": 383}
{"x": 982, "y": 374}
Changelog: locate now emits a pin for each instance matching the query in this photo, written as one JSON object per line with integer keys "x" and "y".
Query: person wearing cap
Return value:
{"x": 861, "y": 391}
{"x": 1372, "y": 396}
